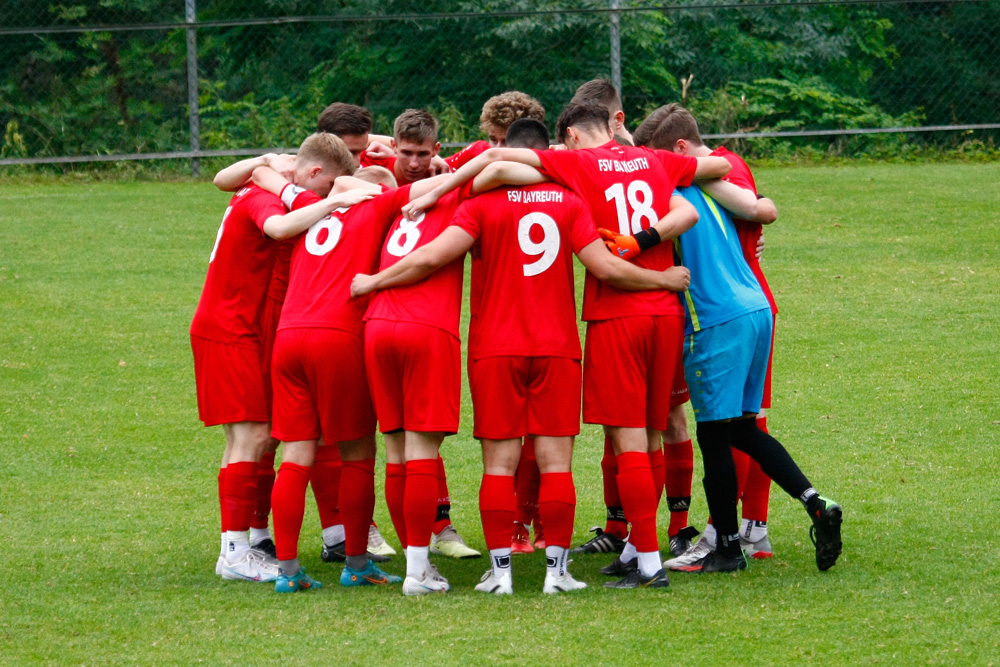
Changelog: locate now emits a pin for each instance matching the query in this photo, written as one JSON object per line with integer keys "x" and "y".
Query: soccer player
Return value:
{"x": 672, "y": 465}
{"x": 226, "y": 339}
{"x": 676, "y": 127}
{"x": 524, "y": 347}
{"x": 628, "y": 392}
{"x": 728, "y": 327}
{"x": 353, "y": 124}
{"x": 603, "y": 92}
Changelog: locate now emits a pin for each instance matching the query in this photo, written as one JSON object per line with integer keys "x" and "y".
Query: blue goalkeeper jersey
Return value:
{"x": 722, "y": 285}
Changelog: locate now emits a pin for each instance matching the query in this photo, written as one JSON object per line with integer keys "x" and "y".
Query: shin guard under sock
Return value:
{"x": 557, "y": 507}
{"x": 679, "y": 457}
{"x": 720, "y": 474}
{"x": 635, "y": 486}
{"x": 265, "y": 482}
{"x": 616, "y": 523}
{"x": 240, "y": 495}
{"x": 288, "y": 501}
{"x": 325, "y": 480}
{"x": 395, "y": 489}
{"x": 443, "y": 517}
{"x": 526, "y": 482}
{"x": 496, "y": 507}
{"x": 357, "y": 503}
{"x": 420, "y": 501}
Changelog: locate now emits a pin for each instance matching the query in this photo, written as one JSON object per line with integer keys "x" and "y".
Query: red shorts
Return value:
{"x": 517, "y": 396}
{"x": 229, "y": 381}
{"x": 320, "y": 388}
{"x": 679, "y": 394}
{"x": 415, "y": 374}
{"x": 766, "y": 401}
{"x": 629, "y": 365}
{"x": 268, "y": 332}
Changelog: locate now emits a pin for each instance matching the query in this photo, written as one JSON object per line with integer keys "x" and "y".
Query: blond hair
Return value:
{"x": 328, "y": 151}
{"x": 376, "y": 175}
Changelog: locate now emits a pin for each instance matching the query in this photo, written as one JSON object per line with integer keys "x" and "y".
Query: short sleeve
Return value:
{"x": 262, "y": 205}
{"x": 680, "y": 168}
{"x": 558, "y": 165}
{"x": 474, "y": 149}
{"x": 584, "y": 229}
{"x": 467, "y": 218}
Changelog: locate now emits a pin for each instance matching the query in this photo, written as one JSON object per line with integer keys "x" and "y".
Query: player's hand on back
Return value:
{"x": 625, "y": 247}
{"x": 678, "y": 278}
{"x": 362, "y": 284}
{"x": 412, "y": 210}
{"x": 438, "y": 166}
{"x": 380, "y": 151}
{"x": 351, "y": 197}
{"x": 760, "y": 246}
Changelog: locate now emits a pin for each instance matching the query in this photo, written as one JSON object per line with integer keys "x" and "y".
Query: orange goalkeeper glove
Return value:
{"x": 629, "y": 247}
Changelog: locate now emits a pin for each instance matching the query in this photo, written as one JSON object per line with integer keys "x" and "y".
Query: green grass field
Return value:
{"x": 886, "y": 392}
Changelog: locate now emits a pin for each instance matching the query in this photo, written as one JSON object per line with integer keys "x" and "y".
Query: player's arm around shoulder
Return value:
{"x": 451, "y": 244}
{"x": 235, "y": 176}
{"x": 712, "y": 167}
{"x": 624, "y": 275}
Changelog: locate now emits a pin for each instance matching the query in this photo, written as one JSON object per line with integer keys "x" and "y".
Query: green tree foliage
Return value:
{"x": 745, "y": 67}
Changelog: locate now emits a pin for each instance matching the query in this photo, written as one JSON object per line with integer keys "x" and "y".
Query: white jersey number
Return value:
{"x": 405, "y": 238}
{"x": 641, "y": 207}
{"x": 218, "y": 237}
{"x": 333, "y": 226}
{"x": 548, "y": 247}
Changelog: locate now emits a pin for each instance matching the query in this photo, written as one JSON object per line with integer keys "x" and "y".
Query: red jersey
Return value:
{"x": 370, "y": 161}
{"x": 239, "y": 271}
{"x": 328, "y": 256}
{"x": 437, "y": 299}
{"x": 628, "y": 189}
{"x": 279, "y": 274}
{"x": 749, "y": 232}
{"x": 472, "y": 150}
{"x": 525, "y": 238}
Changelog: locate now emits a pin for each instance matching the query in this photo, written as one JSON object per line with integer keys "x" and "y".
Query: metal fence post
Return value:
{"x": 190, "y": 16}
{"x": 616, "y": 47}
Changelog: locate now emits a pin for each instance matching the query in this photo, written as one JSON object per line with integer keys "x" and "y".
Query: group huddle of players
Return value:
{"x": 332, "y": 303}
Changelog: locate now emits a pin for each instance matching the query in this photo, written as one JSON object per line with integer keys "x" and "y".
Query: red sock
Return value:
{"x": 395, "y": 487}
{"x": 289, "y": 503}
{"x": 616, "y": 523}
{"x": 420, "y": 501}
{"x": 557, "y": 507}
{"x": 265, "y": 482}
{"x": 443, "y": 518}
{"x": 635, "y": 485}
{"x": 742, "y": 462}
{"x": 658, "y": 466}
{"x": 357, "y": 503}
{"x": 240, "y": 494}
{"x": 679, "y": 458}
{"x": 222, "y": 499}
{"x": 526, "y": 483}
{"x": 496, "y": 507}
{"x": 325, "y": 480}
{"x": 757, "y": 493}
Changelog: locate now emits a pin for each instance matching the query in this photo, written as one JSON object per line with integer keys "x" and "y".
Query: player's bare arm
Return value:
{"x": 469, "y": 171}
{"x": 624, "y": 275}
{"x": 712, "y": 167}
{"x": 500, "y": 174}
{"x": 451, "y": 244}
{"x": 767, "y": 212}
{"x": 236, "y": 175}
{"x": 741, "y": 202}
{"x": 293, "y": 223}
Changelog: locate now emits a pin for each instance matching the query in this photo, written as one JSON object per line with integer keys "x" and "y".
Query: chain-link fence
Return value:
{"x": 109, "y": 80}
